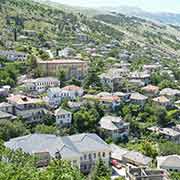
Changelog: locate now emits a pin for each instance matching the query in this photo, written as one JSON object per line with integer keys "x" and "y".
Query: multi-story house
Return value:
{"x": 111, "y": 101}
{"x": 109, "y": 80}
{"x": 113, "y": 77}
{"x": 143, "y": 76}
{"x": 73, "y": 91}
{"x": 162, "y": 101}
{"x": 82, "y": 150}
{"x": 139, "y": 173}
{"x": 138, "y": 98}
{"x": 6, "y": 116}
{"x": 13, "y": 55}
{"x": 171, "y": 134}
{"x": 151, "y": 67}
{"x": 137, "y": 159}
{"x": 41, "y": 84}
{"x": 170, "y": 163}
{"x": 150, "y": 90}
{"x": 72, "y": 67}
{"x": 170, "y": 93}
{"x": 6, "y": 107}
{"x": 66, "y": 52}
{"x": 31, "y": 109}
{"x": 56, "y": 95}
{"x": 114, "y": 127}
{"x": 63, "y": 117}
{"x": 4, "y": 91}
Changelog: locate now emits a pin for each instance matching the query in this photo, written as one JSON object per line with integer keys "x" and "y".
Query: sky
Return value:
{"x": 149, "y": 5}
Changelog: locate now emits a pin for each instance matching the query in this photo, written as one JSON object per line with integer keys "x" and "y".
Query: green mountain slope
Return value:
{"x": 153, "y": 34}
{"x": 53, "y": 27}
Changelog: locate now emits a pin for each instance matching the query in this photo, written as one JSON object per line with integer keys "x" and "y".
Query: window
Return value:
{"x": 85, "y": 157}
{"x": 104, "y": 154}
{"x": 94, "y": 155}
{"x": 90, "y": 157}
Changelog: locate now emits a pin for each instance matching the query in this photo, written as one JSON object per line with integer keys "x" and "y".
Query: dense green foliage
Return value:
{"x": 86, "y": 119}
{"x": 100, "y": 171}
{"x": 13, "y": 129}
{"x": 21, "y": 166}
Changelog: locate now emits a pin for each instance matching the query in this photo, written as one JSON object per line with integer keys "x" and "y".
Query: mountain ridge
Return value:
{"x": 56, "y": 28}
{"x": 162, "y": 17}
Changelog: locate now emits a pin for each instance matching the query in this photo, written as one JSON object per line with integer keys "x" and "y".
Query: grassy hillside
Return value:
{"x": 52, "y": 27}
{"x": 159, "y": 37}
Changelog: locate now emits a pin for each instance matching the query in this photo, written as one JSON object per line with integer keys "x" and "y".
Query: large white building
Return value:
{"x": 82, "y": 150}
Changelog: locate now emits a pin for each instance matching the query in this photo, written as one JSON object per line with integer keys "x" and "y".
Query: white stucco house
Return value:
{"x": 63, "y": 117}
{"x": 114, "y": 127}
{"x": 81, "y": 150}
{"x": 41, "y": 84}
{"x": 54, "y": 96}
{"x": 72, "y": 91}
{"x": 170, "y": 163}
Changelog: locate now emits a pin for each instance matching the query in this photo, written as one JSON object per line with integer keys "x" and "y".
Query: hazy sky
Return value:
{"x": 150, "y": 5}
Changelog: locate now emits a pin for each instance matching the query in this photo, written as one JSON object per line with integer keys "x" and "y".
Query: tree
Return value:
{"x": 92, "y": 80}
{"x": 10, "y": 129}
{"x": 37, "y": 72}
{"x": 162, "y": 116}
{"x": 85, "y": 120}
{"x": 44, "y": 129}
{"x": 49, "y": 120}
{"x": 62, "y": 77}
{"x": 61, "y": 170}
{"x": 74, "y": 81}
{"x": 149, "y": 149}
{"x": 167, "y": 84}
{"x": 175, "y": 176}
{"x": 100, "y": 171}
{"x": 15, "y": 24}
{"x": 120, "y": 178}
{"x": 22, "y": 166}
{"x": 32, "y": 62}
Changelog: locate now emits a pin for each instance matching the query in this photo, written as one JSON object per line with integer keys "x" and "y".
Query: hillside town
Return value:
{"x": 104, "y": 106}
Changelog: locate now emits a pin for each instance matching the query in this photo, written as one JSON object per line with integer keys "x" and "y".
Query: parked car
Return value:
{"x": 116, "y": 164}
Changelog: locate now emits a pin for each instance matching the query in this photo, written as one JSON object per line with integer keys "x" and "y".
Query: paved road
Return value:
{"x": 118, "y": 172}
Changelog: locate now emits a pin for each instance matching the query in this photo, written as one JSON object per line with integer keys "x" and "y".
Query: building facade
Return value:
{"x": 41, "y": 84}
{"x": 71, "y": 67}
{"x": 30, "y": 109}
{"x": 63, "y": 117}
{"x": 82, "y": 150}
{"x": 170, "y": 163}
{"x": 114, "y": 127}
